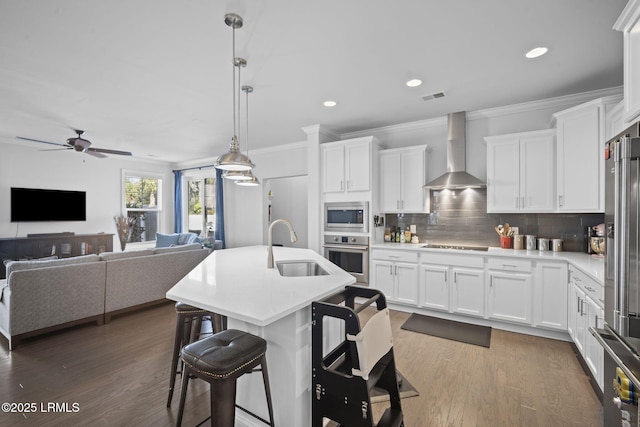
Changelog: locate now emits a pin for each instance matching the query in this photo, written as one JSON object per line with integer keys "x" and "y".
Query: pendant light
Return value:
{"x": 234, "y": 160}
{"x": 251, "y": 180}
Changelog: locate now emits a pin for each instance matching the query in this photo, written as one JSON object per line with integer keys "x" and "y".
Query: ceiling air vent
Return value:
{"x": 435, "y": 95}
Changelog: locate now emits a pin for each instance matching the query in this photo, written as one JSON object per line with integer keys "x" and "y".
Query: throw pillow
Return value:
{"x": 166, "y": 240}
{"x": 186, "y": 238}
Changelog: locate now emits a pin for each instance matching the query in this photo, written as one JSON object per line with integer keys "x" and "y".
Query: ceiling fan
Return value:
{"x": 78, "y": 143}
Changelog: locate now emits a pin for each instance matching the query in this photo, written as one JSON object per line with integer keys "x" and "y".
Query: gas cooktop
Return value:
{"x": 456, "y": 247}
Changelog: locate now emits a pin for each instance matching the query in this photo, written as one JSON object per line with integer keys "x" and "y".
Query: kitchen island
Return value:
{"x": 237, "y": 283}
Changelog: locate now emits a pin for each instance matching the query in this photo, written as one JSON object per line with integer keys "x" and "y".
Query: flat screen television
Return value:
{"x": 35, "y": 204}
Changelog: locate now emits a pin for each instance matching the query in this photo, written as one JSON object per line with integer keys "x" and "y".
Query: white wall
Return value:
{"x": 66, "y": 170}
{"x": 244, "y": 208}
{"x": 288, "y": 200}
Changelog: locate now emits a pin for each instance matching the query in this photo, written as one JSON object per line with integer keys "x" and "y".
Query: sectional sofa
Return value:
{"x": 43, "y": 295}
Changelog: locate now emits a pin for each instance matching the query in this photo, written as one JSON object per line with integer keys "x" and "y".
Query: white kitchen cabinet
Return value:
{"x": 550, "y": 290}
{"x": 346, "y": 166}
{"x": 586, "y": 311}
{"x": 629, "y": 24}
{"x": 395, "y": 274}
{"x": 452, "y": 283}
{"x": 581, "y": 319}
{"x": 402, "y": 175}
{"x": 580, "y": 159}
{"x": 467, "y": 292}
{"x": 510, "y": 293}
{"x": 434, "y": 287}
{"x": 594, "y": 353}
{"x": 521, "y": 172}
{"x": 614, "y": 121}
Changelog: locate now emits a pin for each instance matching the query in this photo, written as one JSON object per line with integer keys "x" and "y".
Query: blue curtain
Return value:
{"x": 177, "y": 207}
{"x": 219, "y": 226}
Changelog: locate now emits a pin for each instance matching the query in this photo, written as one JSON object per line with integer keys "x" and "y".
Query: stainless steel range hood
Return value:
{"x": 456, "y": 176}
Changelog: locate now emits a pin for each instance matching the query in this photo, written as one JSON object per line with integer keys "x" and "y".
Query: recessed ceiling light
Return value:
{"x": 536, "y": 52}
{"x": 414, "y": 82}
{"x": 329, "y": 103}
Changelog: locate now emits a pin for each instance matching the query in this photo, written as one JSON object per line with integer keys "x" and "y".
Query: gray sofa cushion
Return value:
{"x": 172, "y": 249}
{"x": 27, "y": 265}
{"x": 107, "y": 256}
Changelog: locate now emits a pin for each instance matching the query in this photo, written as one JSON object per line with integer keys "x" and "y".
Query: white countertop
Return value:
{"x": 237, "y": 283}
{"x": 589, "y": 264}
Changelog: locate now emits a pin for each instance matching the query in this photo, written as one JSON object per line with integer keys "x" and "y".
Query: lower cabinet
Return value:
{"x": 510, "y": 293}
{"x": 448, "y": 286}
{"x": 586, "y": 312}
{"x": 395, "y": 274}
{"x": 550, "y": 295}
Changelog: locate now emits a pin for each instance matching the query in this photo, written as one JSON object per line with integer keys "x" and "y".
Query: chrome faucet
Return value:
{"x": 270, "y": 242}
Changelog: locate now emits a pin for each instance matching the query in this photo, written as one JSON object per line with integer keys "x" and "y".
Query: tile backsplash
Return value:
{"x": 460, "y": 217}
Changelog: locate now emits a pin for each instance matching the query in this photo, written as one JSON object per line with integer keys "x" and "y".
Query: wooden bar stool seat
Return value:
{"x": 190, "y": 324}
{"x": 220, "y": 360}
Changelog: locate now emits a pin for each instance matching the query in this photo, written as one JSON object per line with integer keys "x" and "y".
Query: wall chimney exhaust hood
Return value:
{"x": 456, "y": 176}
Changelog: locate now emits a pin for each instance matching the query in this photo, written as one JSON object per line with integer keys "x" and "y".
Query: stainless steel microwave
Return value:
{"x": 346, "y": 216}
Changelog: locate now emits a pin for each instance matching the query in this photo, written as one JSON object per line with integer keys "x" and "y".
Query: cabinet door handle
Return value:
{"x": 445, "y": 276}
{"x": 347, "y": 184}
{"x": 577, "y": 304}
{"x": 341, "y": 185}
{"x": 491, "y": 281}
{"x": 391, "y": 270}
{"x": 560, "y": 200}
{"x": 596, "y": 320}
{"x": 396, "y": 270}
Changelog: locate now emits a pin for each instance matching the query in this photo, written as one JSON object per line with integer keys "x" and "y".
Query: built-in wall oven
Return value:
{"x": 350, "y": 253}
{"x": 347, "y": 217}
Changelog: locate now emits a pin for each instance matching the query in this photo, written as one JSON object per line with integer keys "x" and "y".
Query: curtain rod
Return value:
{"x": 195, "y": 167}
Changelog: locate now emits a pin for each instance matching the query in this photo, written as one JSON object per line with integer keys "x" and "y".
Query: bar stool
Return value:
{"x": 220, "y": 360}
{"x": 189, "y": 327}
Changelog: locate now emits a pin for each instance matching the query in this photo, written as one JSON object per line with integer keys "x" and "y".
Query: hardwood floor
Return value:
{"x": 117, "y": 374}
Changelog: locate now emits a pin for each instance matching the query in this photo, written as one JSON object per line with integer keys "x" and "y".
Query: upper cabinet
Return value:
{"x": 402, "y": 175}
{"x": 629, "y": 24}
{"x": 580, "y": 142}
{"x": 346, "y": 166}
{"x": 521, "y": 172}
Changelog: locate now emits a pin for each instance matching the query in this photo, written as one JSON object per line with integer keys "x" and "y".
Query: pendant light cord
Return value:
{"x": 233, "y": 61}
{"x": 247, "y": 118}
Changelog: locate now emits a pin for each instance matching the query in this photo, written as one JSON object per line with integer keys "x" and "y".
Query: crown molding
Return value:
{"x": 557, "y": 102}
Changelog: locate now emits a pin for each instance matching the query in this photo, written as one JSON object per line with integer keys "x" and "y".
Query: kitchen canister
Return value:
{"x": 518, "y": 241}
{"x": 556, "y": 245}
{"x": 530, "y": 242}
{"x": 543, "y": 244}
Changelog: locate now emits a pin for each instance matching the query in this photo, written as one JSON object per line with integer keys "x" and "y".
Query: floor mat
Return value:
{"x": 404, "y": 386}
{"x": 449, "y": 329}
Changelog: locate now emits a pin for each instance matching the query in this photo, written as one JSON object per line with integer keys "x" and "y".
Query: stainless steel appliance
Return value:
{"x": 620, "y": 335}
{"x": 350, "y": 253}
{"x": 347, "y": 216}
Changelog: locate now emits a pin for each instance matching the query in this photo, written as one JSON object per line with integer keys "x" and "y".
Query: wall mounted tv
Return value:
{"x": 34, "y": 205}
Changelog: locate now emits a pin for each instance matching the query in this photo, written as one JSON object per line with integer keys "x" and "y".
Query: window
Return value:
{"x": 142, "y": 201}
{"x": 200, "y": 203}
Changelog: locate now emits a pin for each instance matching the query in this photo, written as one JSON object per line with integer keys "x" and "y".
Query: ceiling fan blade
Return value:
{"x": 58, "y": 149}
{"x": 107, "y": 151}
{"x": 94, "y": 153}
{"x": 44, "y": 142}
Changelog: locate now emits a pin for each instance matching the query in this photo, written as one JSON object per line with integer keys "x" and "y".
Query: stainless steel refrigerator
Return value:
{"x": 620, "y": 335}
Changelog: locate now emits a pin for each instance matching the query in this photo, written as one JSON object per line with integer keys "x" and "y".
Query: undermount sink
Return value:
{"x": 300, "y": 268}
